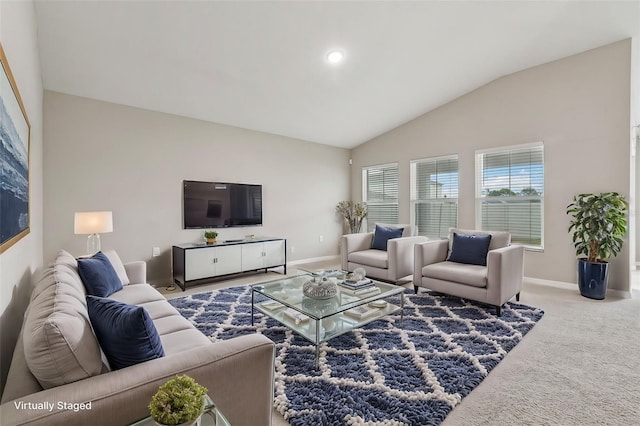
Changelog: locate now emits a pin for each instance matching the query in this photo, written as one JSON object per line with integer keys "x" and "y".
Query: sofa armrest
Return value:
{"x": 433, "y": 251}
{"x": 239, "y": 374}
{"x": 353, "y": 242}
{"x": 400, "y": 252}
{"x": 505, "y": 273}
{"x": 136, "y": 271}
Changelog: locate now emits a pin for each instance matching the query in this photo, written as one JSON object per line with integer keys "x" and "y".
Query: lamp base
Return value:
{"x": 93, "y": 244}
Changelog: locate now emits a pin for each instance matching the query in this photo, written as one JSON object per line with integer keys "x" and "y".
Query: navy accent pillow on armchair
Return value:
{"x": 98, "y": 275}
{"x": 470, "y": 249}
{"x": 126, "y": 333}
{"x": 382, "y": 235}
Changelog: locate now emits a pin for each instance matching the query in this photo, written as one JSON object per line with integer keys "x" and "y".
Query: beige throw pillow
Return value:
{"x": 117, "y": 265}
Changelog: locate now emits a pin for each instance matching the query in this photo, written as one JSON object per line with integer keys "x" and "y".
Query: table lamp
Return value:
{"x": 93, "y": 223}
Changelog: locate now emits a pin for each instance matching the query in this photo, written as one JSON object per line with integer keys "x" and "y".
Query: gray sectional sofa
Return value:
{"x": 59, "y": 374}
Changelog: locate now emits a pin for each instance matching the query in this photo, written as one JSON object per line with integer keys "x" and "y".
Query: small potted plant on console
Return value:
{"x": 210, "y": 236}
{"x": 180, "y": 401}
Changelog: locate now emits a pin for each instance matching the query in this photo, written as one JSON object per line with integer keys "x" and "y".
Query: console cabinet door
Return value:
{"x": 199, "y": 263}
{"x": 228, "y": 260}
{"x": 274, "y": 253}
{"x": 252, "y": 256}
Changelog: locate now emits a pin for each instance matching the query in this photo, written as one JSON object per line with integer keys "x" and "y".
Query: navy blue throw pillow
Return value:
{"x": 470, "y": 249}
{"x": 126, "y": 333}
{"x": 98, "y": 275}
{"x": 382, "y": 234}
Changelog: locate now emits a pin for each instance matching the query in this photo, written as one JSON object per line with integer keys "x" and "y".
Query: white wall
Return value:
{"x": 18, "y": 38}
{"x": 103, "y": 156}
{"x": 579, "y": 107}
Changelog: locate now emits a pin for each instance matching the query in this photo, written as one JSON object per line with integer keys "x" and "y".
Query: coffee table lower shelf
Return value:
{"x": 319, "y": 330}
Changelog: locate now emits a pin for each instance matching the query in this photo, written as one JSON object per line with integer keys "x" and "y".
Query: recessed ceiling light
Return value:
{"x": 335, "y": 56}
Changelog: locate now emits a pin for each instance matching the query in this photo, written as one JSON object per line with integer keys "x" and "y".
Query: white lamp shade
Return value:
{"x": 93, "y": 222}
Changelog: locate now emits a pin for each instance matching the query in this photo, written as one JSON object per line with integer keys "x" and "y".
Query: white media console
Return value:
{"x": 198, "y": 262}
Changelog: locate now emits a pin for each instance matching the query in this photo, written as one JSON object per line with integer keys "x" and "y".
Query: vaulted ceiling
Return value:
{"x": 261, "y": 64}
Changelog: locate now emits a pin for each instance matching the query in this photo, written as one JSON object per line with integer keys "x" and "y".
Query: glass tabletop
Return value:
{"x": 288, "y": 292}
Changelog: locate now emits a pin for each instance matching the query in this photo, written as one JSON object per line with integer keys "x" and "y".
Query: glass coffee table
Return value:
{"x": 321, "y": 320}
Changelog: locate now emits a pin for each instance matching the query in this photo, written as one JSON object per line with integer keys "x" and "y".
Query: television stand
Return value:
{"x": 195, "y": 263}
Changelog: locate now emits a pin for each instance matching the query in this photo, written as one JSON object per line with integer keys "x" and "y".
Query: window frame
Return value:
{"x": 365, "y": 183}
{"x": 413, "y": 189}
{"x": 479, "y": 155}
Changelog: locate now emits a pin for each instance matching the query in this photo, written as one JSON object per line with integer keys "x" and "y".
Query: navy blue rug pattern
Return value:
{"x": 380, "y": 374}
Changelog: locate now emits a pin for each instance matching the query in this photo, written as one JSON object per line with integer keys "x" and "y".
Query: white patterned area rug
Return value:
{"x": 380, "y": 374}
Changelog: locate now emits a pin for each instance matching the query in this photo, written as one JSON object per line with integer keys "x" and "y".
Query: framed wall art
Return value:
{"x": 14, "y": 160}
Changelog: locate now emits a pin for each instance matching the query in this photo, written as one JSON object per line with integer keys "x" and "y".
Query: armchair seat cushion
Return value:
{"x": 473, "y": 275}
{"x": 371, "y": 257}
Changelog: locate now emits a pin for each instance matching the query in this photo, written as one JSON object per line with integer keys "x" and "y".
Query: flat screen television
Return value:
{"x": 221, "y": 204}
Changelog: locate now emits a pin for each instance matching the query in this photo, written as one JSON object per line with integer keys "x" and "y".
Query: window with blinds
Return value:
{"x": 434, "y": 195}
{"x": 510, "y": 192}
{"x": 380, "y": 194}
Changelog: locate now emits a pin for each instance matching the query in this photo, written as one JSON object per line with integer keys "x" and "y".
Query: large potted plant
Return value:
{"x": 180, "y": 401}
{"x": 598, "y": 223}
{"x": 353, "y": 213}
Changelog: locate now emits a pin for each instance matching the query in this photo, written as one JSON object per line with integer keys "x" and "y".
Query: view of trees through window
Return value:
{"x": 510, "y": 192}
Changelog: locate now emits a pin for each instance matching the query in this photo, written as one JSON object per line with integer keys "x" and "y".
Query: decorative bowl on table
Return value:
{"x": 320, "y": 287}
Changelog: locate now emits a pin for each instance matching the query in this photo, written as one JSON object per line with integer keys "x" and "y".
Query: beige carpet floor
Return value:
{"x": 580, "y": 365}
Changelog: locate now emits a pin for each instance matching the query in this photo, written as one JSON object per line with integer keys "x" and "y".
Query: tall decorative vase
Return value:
{"x": 593, "y": 279}
{"x": 353, "y": 225}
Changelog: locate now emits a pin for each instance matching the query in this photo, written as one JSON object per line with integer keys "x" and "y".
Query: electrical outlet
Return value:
{"x": 155, "y": 252}
{"x": 293, "y": 249}
{"x": 321, "y": 238}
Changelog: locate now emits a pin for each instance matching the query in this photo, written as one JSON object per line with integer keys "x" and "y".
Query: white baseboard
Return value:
{"x": 573, "y": 286}
{"x": 620, "y": 293}
{"x": 550, "y": 283}
{"x": 315, "y": 259}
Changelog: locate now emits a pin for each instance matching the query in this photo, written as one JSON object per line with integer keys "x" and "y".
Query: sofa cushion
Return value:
{"x": 98, "y": 275}
{"x": 473, "y": 275}
{"x": 137, "y": 294}
{"x": 118, "y": 266}
{"x": 382, "y": 234}
{"x": 66, "y": 269}
{"x": 126, "y": 333}
{"x": 59, "y": 344}
{"x": 371, "y": 257}
{"x": 159, "y": 309}
{"x": 470, "y": 249}
{"x": 183, "y": 340}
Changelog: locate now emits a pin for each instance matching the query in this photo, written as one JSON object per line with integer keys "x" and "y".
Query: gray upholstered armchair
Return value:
{"x": 392, "y": 264}
{"x": 495, "y": 283}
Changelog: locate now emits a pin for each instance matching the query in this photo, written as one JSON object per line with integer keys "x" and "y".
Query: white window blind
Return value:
{"x": 380, "y": 194}
{"x": 510, "y": 192}
{"x": 434, "y": 195}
